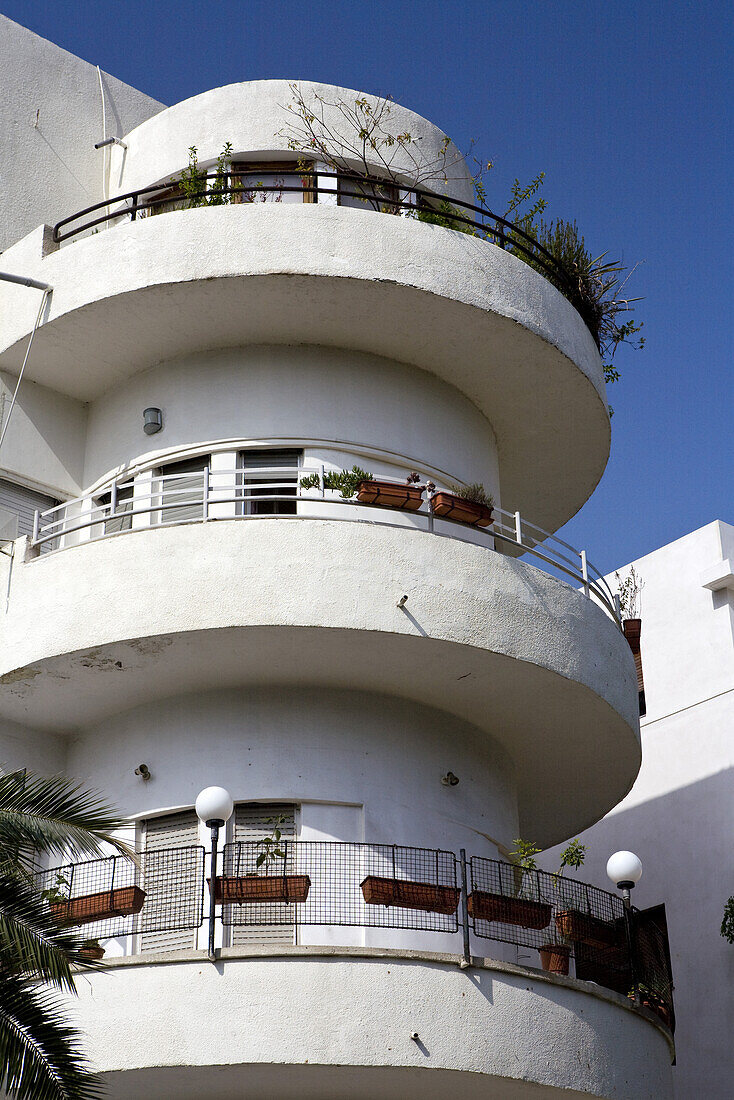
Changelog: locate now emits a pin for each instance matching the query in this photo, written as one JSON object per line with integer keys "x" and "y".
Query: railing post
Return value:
{"x": 584, "y": 571}
{"x": 618, "y": 606}
{"x": 518, "y": 529}
{"x": 213, "y": 890}
{"x": 113, "y": 498}
{"x": 466, "y": 960}
{"x": 630, "y": 941}
{"x": 36, "y": 523}
{"x": 134, "y": 211}
{"x": 321, "y": 480}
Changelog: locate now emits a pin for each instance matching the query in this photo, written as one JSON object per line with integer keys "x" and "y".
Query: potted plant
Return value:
{"x": 91, "y": 949}
{"x": 427, "y": 896}
{"x": 580, "y": 925}
{"x": 370, "y": 490}
{"x": 465, "y": 503}
{"x": 120, "y": 901}
{"x": 650, "y": 999}
{"x": 630, "y": 592}
{"x": 521, "y": 908}
{"x": 257, "y": 887}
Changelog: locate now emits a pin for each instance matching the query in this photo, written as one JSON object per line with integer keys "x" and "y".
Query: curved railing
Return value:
{"x": 373, "y": 192}
{"x": 263, "y": 890}
{"x": 216, "y": 494}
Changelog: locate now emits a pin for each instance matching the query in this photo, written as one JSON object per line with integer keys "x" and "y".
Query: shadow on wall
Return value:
{"x": 685, "y": 840}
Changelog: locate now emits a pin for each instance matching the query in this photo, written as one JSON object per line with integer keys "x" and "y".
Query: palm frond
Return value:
{"x": 39, "y": 1056}
{"x": 56, "y": 815}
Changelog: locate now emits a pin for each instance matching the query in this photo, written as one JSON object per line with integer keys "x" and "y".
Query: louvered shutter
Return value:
{"x": 23, "y": 503}
{"x": 252, "y": 822}
{"x": 124, "y": 504}
{"x": 263, "y": 485}
{"x": 170, "y": 831}
{"x": 182, "y": 497}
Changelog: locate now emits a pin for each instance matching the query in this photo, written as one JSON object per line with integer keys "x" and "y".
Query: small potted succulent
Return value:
{"x": 265, "y": 885}
{"x": 465, "y": 503}
{"x": 370, "y": 490}
{"x": 523, "y": 907}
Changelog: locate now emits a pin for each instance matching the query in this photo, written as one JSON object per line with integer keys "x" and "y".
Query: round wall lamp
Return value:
{"x": 152, "y": 420}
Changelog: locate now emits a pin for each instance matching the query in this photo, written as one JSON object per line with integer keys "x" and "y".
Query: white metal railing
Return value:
{"x": 240, "y": 493}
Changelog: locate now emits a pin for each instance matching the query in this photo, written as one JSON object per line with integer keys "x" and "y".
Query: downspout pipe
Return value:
{"x": 21, "y": 280}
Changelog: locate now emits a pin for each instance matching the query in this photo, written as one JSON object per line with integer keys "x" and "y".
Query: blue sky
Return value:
{"x": 624, "y": 106}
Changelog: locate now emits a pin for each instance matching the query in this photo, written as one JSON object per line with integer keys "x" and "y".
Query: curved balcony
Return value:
{"x": 480, "y": 319}
{"x": 386, "y": 1005}
{"x": 276, "y": 600}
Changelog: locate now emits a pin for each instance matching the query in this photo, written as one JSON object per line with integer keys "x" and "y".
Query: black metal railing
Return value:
{"x": 391, "y": 886}
{"x": 373, "y": 192}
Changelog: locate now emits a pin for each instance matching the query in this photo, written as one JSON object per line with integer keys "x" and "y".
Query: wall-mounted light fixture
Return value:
{"x": 143, "y": 771}
{"x": 152, "y": 421}
{"x": 449, "y": 780}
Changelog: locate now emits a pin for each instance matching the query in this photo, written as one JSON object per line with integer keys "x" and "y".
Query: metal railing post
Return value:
{"x": 113, "y": 498}
{"x": 630, "y": 941}
{"x": 518, "y": 528}
{"x": 466, "y": 960}
{"x": 213, "y": 891}
{"x": 205, "y": 494}
{"x": 584, "y": 571}
{"x": 36, "y": 523}
{"x": 134, "y": 211}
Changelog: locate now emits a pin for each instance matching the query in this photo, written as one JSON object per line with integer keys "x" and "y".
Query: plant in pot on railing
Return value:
{"x": 523, "y": 906}
{"x": 630, "y": 593}
{"x": 120, "y": 901}
{"x": 264, "y": 884}
{"x": 554, "y": 955}
{"x": 91, "y": 949}
{"x": 465, "y": 503}
{"x": 359, "y": 484}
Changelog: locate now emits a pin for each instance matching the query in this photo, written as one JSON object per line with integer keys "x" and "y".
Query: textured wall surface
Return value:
{"x": 50, "y": 119}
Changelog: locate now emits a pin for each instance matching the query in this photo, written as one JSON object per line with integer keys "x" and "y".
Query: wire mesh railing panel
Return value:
{"x": 331, "y": 883}
{"x": 652, "y": 967}
{"x": 116, "y": 896}
{"x": 557, "y": 916}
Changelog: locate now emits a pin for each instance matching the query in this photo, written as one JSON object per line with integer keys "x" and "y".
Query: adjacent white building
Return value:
{"x": 188, "y": 602}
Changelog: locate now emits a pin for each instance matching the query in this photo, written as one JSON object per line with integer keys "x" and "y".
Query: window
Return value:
{"x": 170, "y": 198}
{"x": 18, "y": 506}
{"x": 266, "y": 478}
{"x": 182, "y": 489}
{"x": 274, "y": 174}
{"x": 252, "y": 822}
{"x": 368, "y": 194}
{"x": 120, "y": 521}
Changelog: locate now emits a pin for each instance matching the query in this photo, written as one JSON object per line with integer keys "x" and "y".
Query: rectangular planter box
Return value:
{"x": 466, "y": 511}
{"x": 255, "y": 888}
{"x": 410, "y": 895}
{"x": 583, "y": 928}
{"x": 120, "y": 902}
{"x": 497, "y": 907}
{"x": 389, "y": 495}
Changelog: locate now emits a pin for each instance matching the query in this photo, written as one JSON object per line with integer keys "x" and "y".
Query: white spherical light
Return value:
{"x": 624, "y": 867}
{"x": 214, "y": 804}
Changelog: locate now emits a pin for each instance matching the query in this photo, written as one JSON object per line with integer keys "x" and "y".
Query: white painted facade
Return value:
{"x": 680, "y": 811}
{"x": 273, "y": 653}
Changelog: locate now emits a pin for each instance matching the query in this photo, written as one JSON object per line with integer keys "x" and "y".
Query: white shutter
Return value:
{"x": 257, "y": 485}
{"x": 182, "y": 497}
{"x": 170, "y": 831}
{"x": 24, "y": 503}
{"x": 253, "y": 821}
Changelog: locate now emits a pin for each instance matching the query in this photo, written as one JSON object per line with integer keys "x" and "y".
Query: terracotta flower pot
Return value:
{"x": 632, "y": 629}
{"x": 554, "y": 957}
{"x": 410, "y": 895}
{"x": 387, "y": 494}
{"x": 121, "y": 902}
{"x": 450, "y": 506}
{"x": 497, "y": 907}
{"x": 583, "y": 928}
{"x": 257, "y": 888}
{"x": 91, "y": 953}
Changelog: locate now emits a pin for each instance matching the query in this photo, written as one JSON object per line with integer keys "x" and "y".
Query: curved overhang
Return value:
{"x": 451, "y": 304}
{"x": 136, "y": 616}
{"x": 320, "y": 1022}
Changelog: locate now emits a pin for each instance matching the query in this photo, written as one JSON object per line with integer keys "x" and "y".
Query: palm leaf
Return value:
{"x": 39, "y": 1057}
{"x": 56, "y": 815}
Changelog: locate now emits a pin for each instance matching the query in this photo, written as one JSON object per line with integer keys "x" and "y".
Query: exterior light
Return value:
{"x": 213, "y": 808}
{"x": 624, "y": 869}
{"x": 152, "y": 421}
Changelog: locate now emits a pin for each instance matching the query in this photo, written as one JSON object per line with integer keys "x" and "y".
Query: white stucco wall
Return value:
{"x": 45, "y": 441}
{"x": 497, "y": 1031}
{"x": 679, "y": 816}
{"x": 252, "y": 115}
{"x": 333, "y": 396}
{"x": 50, "y": 119}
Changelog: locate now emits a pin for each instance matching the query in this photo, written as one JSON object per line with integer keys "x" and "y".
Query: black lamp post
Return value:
{"x": 214, "y": 808}
{"x": 625, "y": 871}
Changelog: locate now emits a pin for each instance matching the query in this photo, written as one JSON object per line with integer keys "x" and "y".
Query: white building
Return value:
{"x": 680, "y": 811}
{"x": 191, "y": 614}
